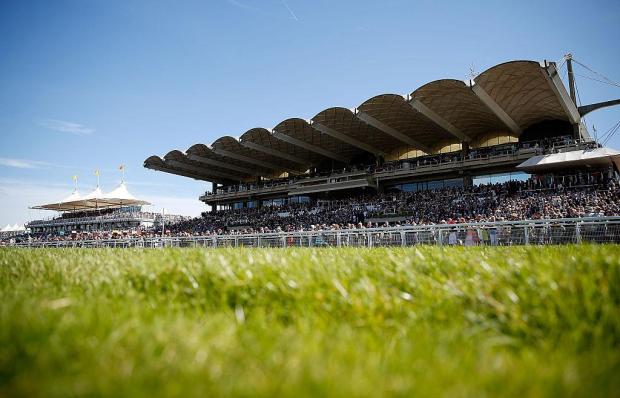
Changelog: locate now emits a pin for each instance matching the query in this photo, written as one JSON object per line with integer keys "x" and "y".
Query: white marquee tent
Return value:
{"x": 97, "y": 199}
{"x": 13, "y": 228}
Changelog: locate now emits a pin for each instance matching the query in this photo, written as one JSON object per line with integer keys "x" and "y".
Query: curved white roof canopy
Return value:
{"x": 95, "y": 194}
{"x": 75, "y": 195}
{"x": 13, "y": 228}
{"x": 119, "y": 197}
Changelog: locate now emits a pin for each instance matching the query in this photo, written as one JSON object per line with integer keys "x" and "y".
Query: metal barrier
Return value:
{"x": 507, "y": 233}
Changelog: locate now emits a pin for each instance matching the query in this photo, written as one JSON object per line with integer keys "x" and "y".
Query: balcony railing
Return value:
{"x": 482, "y": 157}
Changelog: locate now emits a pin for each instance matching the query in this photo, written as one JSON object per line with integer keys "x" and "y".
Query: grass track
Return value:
{"x": 428, "y": 321}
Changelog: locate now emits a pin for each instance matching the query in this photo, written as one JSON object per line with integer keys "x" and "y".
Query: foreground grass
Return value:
{"x": 302, "y": 322}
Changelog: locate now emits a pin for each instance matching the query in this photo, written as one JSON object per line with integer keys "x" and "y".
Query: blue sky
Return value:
{"x": 91, "y": 84}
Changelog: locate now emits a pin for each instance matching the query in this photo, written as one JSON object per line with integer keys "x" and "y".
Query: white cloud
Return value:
{"x": 66, "y": 127}
{"x": 22, "y": 163}
{"x": 16, "y": 197}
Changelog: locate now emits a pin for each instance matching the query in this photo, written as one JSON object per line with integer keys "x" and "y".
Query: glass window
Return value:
{"x": 429, "y": 185}
{"x": 454, "y": 182}
{"x": 410, "y": 187}
{"x": 435, "y": 185}
{"x": 501, "y": 178}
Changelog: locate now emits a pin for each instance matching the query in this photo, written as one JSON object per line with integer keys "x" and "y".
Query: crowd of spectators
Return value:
{"x": 104, "y": 215}
{"x": 509, "y": 201}
{"x": 86, "y": 235}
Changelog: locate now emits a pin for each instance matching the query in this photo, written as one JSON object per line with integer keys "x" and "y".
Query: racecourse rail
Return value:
{"x": 505, "y": 233}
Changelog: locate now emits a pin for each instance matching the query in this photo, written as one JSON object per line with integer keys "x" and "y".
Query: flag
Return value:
{"x": 97, "y": 172}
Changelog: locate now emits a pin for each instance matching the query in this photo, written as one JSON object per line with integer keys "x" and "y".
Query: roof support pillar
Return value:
{"x": 465, "y": 149}
{"x": 199, "y": 170}
{"x": 180, "y": 173}
{"x": 307, "y": 146}
{"x": 494, "y": 107}
{"x": 253, "y": 161}
{"x": 366, "y": 118}
{"x": 438, "y": 120}
{"x": 273, "y": 152}
{"x": 551, "y": 75}
{"x": 224, "y": 165}
{"x": 347, "y": 139}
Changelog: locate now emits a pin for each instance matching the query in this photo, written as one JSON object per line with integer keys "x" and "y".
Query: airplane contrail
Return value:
{"x": 289, "y": 10}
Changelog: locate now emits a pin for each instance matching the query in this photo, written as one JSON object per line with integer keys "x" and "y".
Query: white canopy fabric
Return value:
{"x": 96, "y": 199}
{"x": 120, "y": 196}
{"x": 61, "y": 205}
{"x": 75, "y": 195}
{"x": 119, "y": 193}
{"x": 592, "y": 157}
{"x": 95, "y": 194}
{"x": 13, "y": 228}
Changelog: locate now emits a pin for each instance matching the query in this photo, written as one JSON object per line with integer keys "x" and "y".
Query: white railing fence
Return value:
{"x": 507, "y": 233}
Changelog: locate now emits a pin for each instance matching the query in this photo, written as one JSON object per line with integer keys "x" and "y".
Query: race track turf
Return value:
{"x": 427, "y": 321}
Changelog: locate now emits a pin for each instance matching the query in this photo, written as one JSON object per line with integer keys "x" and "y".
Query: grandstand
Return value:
{"x": 12, "y": 230}
{"x": 508, "y": 146}
{"x": 514, "y": 121}
{"x": 97, "y": 214}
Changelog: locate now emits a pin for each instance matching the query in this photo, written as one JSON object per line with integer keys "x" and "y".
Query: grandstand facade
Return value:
{"x": 509, "y": 119}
